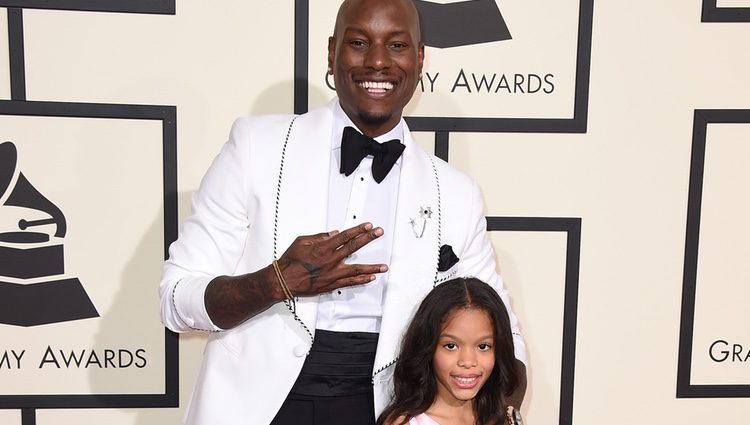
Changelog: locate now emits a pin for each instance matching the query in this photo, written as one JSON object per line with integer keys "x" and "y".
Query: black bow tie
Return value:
{"x": 355, "y": 146}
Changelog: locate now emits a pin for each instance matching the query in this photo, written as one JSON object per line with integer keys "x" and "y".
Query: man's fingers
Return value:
{"x": 311, "y": 239}
{"x": 352, "y": 245}
{"x": 317, "y": 243}
{"x": 363, "y": 273}
{"x": 359, "y": 274}
{"x": 325, "y": 235}
{"x": 345, "y": 236}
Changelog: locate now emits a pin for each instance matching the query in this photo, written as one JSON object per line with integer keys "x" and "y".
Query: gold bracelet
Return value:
{"x": 282, "y": 282}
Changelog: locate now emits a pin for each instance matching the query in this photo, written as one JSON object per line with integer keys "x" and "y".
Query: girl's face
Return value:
{"x": 464, "y": 356}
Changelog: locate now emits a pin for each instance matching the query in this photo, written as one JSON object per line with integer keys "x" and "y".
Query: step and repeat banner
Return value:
{"x": 610, "y": 140}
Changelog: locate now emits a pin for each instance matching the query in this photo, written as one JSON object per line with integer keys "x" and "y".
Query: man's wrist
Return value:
{"x": 273, "y": 285}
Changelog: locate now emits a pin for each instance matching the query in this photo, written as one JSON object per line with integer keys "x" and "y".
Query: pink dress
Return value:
{"x": 422, "y": 419}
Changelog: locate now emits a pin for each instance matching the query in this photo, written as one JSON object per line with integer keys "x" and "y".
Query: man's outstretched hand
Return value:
{"x": 311, "y": 265}
{"x": 315, "y": 264}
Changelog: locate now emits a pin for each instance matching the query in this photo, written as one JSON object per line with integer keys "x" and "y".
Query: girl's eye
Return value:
{"x": 484, "y": 347}
{"x": 450, "y": 346}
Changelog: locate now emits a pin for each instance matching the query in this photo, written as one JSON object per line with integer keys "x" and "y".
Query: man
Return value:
{"x": 311, "y": 336}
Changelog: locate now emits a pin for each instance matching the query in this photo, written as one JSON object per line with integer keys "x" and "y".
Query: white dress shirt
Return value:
{"x": 355, "y": 199}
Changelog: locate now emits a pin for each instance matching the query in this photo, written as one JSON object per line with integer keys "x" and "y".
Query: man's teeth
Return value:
{"x": 376, "y": 85}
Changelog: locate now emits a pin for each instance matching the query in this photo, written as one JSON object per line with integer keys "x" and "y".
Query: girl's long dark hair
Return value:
{"x": 415, "y": 386}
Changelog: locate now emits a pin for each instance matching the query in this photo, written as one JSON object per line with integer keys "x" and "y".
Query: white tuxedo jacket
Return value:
{"x": 267, "y": 186}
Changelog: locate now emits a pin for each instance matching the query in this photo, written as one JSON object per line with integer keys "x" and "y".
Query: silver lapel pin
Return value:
{"x": 418, "y": 225}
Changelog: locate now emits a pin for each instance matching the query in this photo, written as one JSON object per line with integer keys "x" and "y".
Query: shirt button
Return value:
{"x": 338, "y": 292}
{"x": 361, "y": 179}
{"x": 300, "y": 350}
{"x": 354, "y": 216}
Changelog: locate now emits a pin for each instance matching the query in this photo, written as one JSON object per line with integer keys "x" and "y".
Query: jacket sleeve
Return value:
{"x": 212, "y": 239}
{"x": 478, "y": 260}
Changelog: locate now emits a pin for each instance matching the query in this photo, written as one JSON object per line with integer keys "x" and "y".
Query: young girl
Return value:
{"x": 456, "y": 364}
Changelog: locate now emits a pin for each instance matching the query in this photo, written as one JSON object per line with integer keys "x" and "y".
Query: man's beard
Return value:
{"x": 373, "y": 118}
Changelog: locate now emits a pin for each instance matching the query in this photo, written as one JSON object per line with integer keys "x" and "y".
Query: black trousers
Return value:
{"x": 335, "y": 384}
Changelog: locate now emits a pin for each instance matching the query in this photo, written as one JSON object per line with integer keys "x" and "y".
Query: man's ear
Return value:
{"x": 420, "y": 56}
{"x": 331, "y": 53}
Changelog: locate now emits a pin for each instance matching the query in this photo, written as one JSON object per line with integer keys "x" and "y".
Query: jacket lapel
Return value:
{"x": 415, "y": 250}
{"x": 303, "y": 195}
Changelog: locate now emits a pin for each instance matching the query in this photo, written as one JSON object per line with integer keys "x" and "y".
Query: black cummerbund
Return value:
{"x": 339, "y": 363}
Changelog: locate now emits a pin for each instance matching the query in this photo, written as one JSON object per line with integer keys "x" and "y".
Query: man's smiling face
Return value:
{"x": 376, "y": 58}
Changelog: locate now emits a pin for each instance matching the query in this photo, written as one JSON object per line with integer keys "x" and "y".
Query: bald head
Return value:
{"x": 349, "y": 7}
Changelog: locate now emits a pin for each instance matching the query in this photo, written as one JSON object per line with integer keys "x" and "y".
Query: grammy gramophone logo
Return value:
{"x": 461, "y": 23}
{"x": 34, "y": 289}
